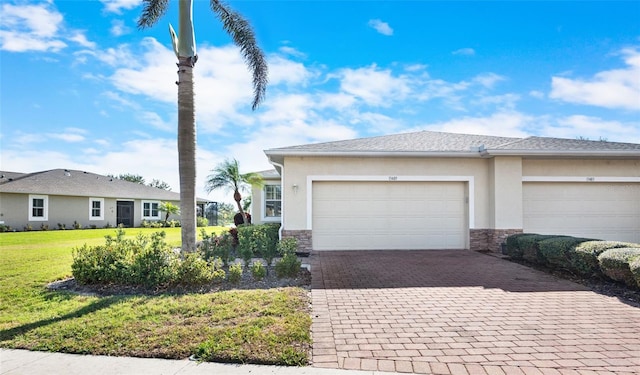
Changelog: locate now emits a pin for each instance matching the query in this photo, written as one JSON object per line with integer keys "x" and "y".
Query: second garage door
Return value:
{"x": 608, "y": 211}
{"x": 350, "y": 215}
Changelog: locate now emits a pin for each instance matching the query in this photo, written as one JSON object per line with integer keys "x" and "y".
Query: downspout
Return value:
{"x": 282, "y": 189}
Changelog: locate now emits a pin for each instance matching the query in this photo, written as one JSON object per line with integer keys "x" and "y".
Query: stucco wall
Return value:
{"x": 297, "y": 169}
{"x": 14, "y": 209}
{"x": 581, "y": 167}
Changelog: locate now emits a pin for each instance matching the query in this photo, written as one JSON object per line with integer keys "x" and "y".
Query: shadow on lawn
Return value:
{"x": 10, "y": 334}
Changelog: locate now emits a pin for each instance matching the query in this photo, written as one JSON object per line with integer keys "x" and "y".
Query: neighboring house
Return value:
{"x": 67, "y": 196}
{"x": 432, "y": 190}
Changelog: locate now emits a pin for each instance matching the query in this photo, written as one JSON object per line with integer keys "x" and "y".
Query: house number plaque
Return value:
{"x": 393, "y": 178}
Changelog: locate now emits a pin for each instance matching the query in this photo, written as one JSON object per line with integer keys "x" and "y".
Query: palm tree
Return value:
{"x": 169, "y": 209}
{"x": 184, "y": 46}
{"x": 227, "y": 175}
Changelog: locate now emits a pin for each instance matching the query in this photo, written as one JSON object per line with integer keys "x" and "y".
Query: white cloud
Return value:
{"x": 488, "y": 80}
{"x": 374, "y": 86}
{"x": 617, "y": 88}
{"x": 536, "y": 94}
{"x": 505, "y": 124}
{"x": 118, "y": 28}
{"x": 593, "y": 128}
{"x": 464, "y": 52}
{"x": 292, "y": 52}
{"x": 381, "y": 27}
{"x": 116, "y": 6}
{"x": 82, "y": 40}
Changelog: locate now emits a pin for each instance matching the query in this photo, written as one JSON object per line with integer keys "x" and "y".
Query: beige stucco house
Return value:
{"x": 66, "y": 196}
{"x": 432, "y": 190}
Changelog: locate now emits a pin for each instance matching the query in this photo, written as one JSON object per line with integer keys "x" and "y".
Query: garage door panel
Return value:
{"x": 608, "y": 211}
{"x": 388, "y": 215}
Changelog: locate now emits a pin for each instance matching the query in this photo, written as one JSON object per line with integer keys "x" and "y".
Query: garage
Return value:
{"x": 388, "y": 215}
{"x": 602, "y": 210}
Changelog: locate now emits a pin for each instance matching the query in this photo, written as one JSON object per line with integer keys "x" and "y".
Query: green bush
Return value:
{"x": 201, "y": 221}
{"x": 258, "y": 270}
{"x": 584, "y": 257}
{"x": 218, "y": 273}
{"x": 194, "y": 270}
{"x": 258, "y": 240}
{"x": 217, "y": 247}
{"x": 288, "y": 265}
{"x": 513, "y": 249}
{"x": 555, "y": 251}
{"x": 530, "y": 247}
{"x": 634, "y": 266}
{"x": 615, "y": 264}
{"x": 154, "y": 264}
{"x": 235, "y": 273}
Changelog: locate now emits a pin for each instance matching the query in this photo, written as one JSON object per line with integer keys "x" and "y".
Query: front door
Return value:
{"x": 124, "y": 213}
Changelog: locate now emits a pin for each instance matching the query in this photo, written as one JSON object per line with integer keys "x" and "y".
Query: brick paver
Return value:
{"x": 462, "y": 312}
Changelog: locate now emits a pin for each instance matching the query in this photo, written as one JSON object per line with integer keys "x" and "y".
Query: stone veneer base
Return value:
{"x": 489, "y": 239}
{"x": 305, "y": 245}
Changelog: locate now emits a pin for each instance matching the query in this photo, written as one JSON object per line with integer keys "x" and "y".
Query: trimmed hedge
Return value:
{"x": 619, "y": 261}
{"x": 584, "y": 257}
{"x": 616, "y": 264}
{"x": 555, "y": 251}
{"x": 634, "y": 266}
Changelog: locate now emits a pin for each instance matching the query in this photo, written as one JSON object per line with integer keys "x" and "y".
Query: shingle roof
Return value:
{"x": 79, "y": 183}
{"x": 451, "y": 144}
{"x": 269, "y": 174}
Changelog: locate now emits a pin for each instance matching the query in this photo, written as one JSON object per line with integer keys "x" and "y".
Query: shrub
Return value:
{"x": 155, "y": 264}
{"x": 62, "y": 226}
{"x": 76, "y": 225}
{"x": 288, "y": 265}
{"x": 44, "y": 227}
{"x": 28, "y": 228}
{"x": 235, "y": 273}
{"x": 218, "y": 273}
{"x": 220, "y": 247}
{"x": 202, "y": 221}
{"x": 5, "y": 228}
{"x": 530, "y": 247}
{"x": 258, "y": 270}
{"x": 584, "y": 257}
{"x": 555, "y": 251}
{"x": 194, "y": 270}
{"x": 260, "y": 240}
{"x": 615, "y": 264}
{"x": 634, "y": 266}
{"x": 513, "y": 247}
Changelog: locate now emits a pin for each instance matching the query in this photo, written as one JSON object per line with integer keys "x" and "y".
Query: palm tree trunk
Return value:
{"x": 187, "y": 153}
{"x": 238, "y": 198}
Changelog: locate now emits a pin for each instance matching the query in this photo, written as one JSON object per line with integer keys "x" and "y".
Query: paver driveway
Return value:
{"x": 462, "y": 312}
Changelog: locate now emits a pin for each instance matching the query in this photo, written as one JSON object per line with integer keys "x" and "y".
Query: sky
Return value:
{"x": 81, "y": 87}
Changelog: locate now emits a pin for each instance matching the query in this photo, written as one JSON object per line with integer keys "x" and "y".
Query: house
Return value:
{"x": 66, "y": 196}
{"x": 433, "y": 190}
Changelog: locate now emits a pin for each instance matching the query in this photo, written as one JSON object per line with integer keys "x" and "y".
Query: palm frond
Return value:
{"x": 152, "y": 11}
{"x": 243, "y": 36}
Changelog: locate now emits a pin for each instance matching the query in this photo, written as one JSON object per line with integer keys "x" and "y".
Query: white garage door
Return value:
{"x": 609, "y": 211}
{"x": 389, "y": 215}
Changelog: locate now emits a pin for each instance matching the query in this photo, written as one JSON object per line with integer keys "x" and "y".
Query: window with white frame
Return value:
{"x": 38, "y": 207}
{"x": 96, "y": 209}
{"x": 272, "y": 201}
{"x": 150, "y": 210}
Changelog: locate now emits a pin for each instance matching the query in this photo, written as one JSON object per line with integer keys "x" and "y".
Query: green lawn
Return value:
{"x": 253, "y": 326}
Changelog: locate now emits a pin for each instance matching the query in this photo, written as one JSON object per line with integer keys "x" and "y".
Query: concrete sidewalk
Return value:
{"x": 26, "y": 362}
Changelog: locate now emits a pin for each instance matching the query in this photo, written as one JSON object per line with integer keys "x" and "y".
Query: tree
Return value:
{"x": 169, "y": 209}
{"x": 160, "y": 184}
{"x": 227, "y": 175}
{"x": 225, "y": 213}
{"x": 184, "y": 46}
{"x": 129, "y": 177}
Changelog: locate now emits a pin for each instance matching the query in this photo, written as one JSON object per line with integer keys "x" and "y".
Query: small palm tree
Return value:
{"x": 169, "y": 209}
{"x": 227, "y": 175}
{"x": 184, "y": 46}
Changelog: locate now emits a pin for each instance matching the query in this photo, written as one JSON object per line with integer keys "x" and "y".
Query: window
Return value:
{"x": 272, "y": 201}
{"x": 38, "y": 208}
{"x": 96, "y": 209}
{"x": 150, "y": 210}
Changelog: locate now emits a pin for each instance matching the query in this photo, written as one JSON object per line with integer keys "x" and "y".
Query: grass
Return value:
{"x": 253, "y": 326}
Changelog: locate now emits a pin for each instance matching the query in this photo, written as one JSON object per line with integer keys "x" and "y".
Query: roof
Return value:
{"x": 269, "y": 174}
{"x": 79, "y": 183}
{"x": 439, "y": 144}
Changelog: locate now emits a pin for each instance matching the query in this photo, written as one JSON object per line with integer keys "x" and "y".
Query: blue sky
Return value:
{"x": 82, "y": 88}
